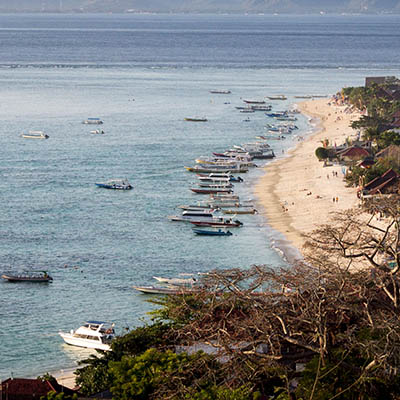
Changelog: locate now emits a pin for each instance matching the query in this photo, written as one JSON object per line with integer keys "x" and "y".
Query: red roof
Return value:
{"x": 355, "y": 152}
{"x": 27, "y": 389}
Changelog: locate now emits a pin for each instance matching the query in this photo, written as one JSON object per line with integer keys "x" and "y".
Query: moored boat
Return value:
{"x": 220, "y": 91}
{"x": 196, "y": 119}
{"x": 277, "y": 97}
{"x": 92, "y": 121}
{"x": 92, "y": 335}
{"x": 35, "y": 135}
{"x": 117, "y": 184}
{"x": 43, "y": 276}
{"x": 97, "y": 132}
{"x": 211, "y": 232}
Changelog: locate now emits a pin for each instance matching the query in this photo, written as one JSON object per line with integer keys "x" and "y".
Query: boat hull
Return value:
{"x": 13, "y": 278}
{"x": 86, "y": 343}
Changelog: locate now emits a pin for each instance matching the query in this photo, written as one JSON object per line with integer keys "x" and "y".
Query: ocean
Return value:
{"x": 142, "y": 75}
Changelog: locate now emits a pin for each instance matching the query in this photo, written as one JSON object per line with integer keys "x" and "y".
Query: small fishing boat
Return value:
{"x": 209, "y": 232}
{"x": 161, "y": 290}
{"x": 211, "y": 190}
{"x": 261, "y": 107}
{"x": 196, "y": 119}
{"x": 91, "y": 335}
{"x": 35, "y": 135}
{"x": 176, "y": 281}
{"x": 277, "y": 97}
{"x": 254, "y": 101}
{"x": 217, "y": 169}
{"x": 220, "y": 91}
{"x": 218, "y": 224}
{"x": 117, "y": 184}
{"x": 43, "y": 276}
{"x": 97, "y": 132}
{"x": 92, "y": 121}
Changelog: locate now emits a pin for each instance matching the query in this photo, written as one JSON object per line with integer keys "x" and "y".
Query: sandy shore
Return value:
{"x": 296, "y": 192}
{"x": 66, "y": 377}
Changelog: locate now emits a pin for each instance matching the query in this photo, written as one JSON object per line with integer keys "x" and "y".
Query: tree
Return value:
{"x": 321, "y": 153}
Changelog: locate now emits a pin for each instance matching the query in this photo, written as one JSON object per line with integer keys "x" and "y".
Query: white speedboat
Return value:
{"x": 97, "y": 132}
{"x": 92, "y": 335}
{"x": 35, "y": 135}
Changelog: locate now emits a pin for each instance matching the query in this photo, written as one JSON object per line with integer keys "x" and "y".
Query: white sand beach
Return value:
{"x": 296, "y": 193}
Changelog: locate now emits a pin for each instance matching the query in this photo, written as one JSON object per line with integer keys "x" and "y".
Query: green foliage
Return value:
{"x": 139, "y": 377}
{"x": 387, "y": 138}
{"x": 96, "y": 376}
{"x": 222, "y": 393}
{"x": 59, "y": 396}
{"x": 321, "y": 153}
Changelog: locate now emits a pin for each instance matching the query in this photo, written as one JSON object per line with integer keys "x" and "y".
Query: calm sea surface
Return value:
{"x": 141, "y": 74}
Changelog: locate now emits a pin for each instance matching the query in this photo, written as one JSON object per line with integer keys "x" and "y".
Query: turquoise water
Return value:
{"x": 98, "y": 243}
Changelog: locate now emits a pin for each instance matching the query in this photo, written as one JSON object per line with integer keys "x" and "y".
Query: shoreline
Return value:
{"x": 296, "y": 192}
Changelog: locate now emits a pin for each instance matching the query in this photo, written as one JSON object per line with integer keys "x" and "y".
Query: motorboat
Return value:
{"x": 35, "y": 135}
{"x": 220, "y": 91}
{"x": 277, "y": 97}
{"x": 176, "y": 281}
{"x": 224, "y": 169}
{"x": 42, "y": 276}
{"x": 211, "y": 190}
{"x": 92, "y": 335}
{"x": 211, "y": 232}
{"x": 118, "y": 184}
{"x": 177, "y": 290}
{"x": 92, "y": 121}
{"x": 196, "y": 119}
{"x": 254, "y": 101}
{"x": 97, "y": 132}
{"x": 218, "y": 224}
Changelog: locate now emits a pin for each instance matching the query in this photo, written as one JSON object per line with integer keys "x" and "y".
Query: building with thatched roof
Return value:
{"x": 387, "y": 183}
{"x": 353, "y": 154}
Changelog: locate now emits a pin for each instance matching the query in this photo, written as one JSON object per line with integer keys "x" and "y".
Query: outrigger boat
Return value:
{"x": 118, "y": 184}
{"x": 211, "y": 190}
{"x": 217, "y": 169}
{"x": 31, "y": 277}
{"x": 207, "y": 232}
{"x": 218, "y": 224}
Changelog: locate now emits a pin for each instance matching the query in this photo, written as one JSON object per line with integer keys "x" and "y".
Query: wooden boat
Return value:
{"x": 208, "y": 232}
{"x": 196, "y": 119}
{"x": 32, "y": 277}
